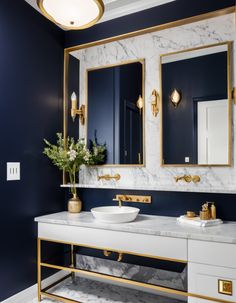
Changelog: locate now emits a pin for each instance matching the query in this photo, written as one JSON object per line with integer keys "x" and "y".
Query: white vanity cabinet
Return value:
{"x": 209, "y": 253}
{"x": 212, "y": 270}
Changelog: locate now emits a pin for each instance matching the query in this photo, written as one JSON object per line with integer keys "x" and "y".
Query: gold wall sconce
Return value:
{"x": 75, "y": 111}
{"x": 175, "y": 97}
{"x": 155, "y": 103}
{"x": 140, "y": 103}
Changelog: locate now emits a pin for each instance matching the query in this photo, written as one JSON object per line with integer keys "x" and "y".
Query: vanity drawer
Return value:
{"x": 208, "y": 280}
{"x": 212, "y": 253}
{"x": 148, "y": 245}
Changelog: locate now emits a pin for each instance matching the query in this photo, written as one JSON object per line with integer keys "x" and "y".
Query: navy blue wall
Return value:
{"x": 31, "y": 65}
{"x": 31, "y": 69}
{"x": 164, "y": 203}
{"x": 73, "y": 86}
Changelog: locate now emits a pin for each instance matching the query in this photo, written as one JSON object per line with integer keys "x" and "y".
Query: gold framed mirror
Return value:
{"x": 197, "y": 106}
{"x": 120, "y": 89}
{"x": 115, "y": 106}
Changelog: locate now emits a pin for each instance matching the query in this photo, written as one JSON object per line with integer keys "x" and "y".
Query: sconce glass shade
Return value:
{"x": 140, "y": 102}
{"x": 72, "y": 14}
{"x": 175, "y": 97}
{"x": 73, "y": 97}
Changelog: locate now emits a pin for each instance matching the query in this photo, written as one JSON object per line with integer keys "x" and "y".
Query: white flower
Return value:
{"x": 95, "y": 150}
{"x": 72, "y": 154}
{"x": 87, "y": 156}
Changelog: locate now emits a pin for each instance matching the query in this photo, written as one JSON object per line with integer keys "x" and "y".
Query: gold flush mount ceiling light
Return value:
{"x": 72, "y": 14}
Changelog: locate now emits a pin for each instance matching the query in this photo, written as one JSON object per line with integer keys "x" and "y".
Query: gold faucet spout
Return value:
{"x": 188, "y": 178}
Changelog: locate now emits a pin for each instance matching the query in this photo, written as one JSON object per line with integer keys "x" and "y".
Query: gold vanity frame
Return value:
{"x": 229, "y": 45}
{"x": 142, "y": 61}
{"x": 220, "y": 12}
{"x": 72, "y": 270}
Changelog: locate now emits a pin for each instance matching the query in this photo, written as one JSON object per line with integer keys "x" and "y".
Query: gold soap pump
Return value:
{"x": 213, "y": 211}
{"x": 207, "y": 212}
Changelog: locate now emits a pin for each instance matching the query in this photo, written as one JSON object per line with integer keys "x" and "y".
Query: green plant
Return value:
{"x": 69, "y": 155}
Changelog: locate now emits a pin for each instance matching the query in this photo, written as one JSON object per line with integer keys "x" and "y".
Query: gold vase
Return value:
{"x": 74, "y": 204}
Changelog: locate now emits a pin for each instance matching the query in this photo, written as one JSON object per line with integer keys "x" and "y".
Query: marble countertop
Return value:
{"x": 150, "y": 225}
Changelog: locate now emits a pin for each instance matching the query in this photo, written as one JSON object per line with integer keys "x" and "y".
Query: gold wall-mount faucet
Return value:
{"x": 107, "y": 177}
{"x": 188, "y": 178}
{"x": 132, "y": 198}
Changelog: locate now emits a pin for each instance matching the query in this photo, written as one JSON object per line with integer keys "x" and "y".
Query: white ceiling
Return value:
{"x": 117, "y": 8}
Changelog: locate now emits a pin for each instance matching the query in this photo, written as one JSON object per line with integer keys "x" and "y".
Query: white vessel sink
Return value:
{"x": 115, "y": 214}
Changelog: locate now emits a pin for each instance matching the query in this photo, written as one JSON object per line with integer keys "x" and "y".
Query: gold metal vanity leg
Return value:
{"x": 72, "y": 262}
{"x": 39, "y": 268}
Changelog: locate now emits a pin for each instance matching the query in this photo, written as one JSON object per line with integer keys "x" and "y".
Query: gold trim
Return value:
{"x": 142, "y": 61}
{"x": 55, "y": 283}
{"x": 57, "y": 297}
{"x": 116, "y": 251}
{"x": 100, "y": 6}
{"x": 65, "y": 105}
{"x": 234, "y": 95}
{"x": 44, "y": 292}
{"x": 229, "y": 92}
{"x": 131, "y": 282}
{"x": 39, "y": 268}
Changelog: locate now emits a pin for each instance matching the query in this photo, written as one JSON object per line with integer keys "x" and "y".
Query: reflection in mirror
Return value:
{"x": 196, "y": 106}
{"x": 115, "y": 108}
{"x": 73, "y": 94}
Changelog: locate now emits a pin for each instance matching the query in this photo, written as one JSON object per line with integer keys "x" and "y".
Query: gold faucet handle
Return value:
{"x": 188, "y": 178}
{"x": 196, "y": 179}
{"x": 177, "y": 179}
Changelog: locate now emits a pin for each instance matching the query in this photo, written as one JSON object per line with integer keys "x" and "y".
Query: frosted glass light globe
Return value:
{"x": 72, "y": 14}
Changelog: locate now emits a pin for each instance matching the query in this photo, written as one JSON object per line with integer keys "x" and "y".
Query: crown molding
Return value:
{"x": 118, "y": 8}
{"x": 114, "y": 10}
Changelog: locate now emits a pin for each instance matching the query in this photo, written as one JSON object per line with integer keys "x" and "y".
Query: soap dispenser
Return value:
{"x": 213, "y": 211}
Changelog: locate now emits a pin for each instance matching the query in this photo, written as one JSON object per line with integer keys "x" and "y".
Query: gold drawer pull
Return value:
{"x": 225, "y": 287}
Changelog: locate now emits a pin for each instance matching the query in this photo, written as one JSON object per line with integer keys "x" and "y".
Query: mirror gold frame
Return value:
{"x": 142, "y": 61}
{"x": 229, "y": 90}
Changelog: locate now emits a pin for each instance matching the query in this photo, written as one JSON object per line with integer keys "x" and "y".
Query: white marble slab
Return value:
{"x": 88, "y": 291}
{"x": 149, "y": 225}
{"x": 158, "y": 188}
{"x": 150, "y": 47}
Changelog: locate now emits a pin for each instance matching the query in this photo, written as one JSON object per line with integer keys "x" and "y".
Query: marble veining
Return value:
{"x": 165, "y": 278}
{"x": 149, "y": 225}
{"x": 88, "y": 291}
{"x": 150, "y": 47}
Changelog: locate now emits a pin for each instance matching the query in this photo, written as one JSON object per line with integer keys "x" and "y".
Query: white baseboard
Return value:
{"x": 30, "y": 293}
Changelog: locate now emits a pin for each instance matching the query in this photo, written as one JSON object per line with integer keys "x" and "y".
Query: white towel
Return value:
{"x": 198, "y": 222}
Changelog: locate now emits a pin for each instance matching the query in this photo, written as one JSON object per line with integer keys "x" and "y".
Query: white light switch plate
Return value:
{"x": 13, "y": 171}
{"x": 186, "y": 159}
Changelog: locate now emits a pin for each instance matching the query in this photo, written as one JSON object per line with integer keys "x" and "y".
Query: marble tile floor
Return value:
{"x": 88, "y": 291}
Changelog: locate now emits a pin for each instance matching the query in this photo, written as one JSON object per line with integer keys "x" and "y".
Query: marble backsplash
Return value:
{"x": 150, "y": 46}
{"x": 165, "y": 278}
